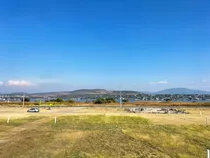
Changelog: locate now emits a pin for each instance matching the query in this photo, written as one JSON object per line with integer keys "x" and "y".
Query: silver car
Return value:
{"x": 33, "y": 110}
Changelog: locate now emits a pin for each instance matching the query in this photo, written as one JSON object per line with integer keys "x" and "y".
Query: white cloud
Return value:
{"x": 160, "y": 82}
{"x": 163, "y": 82}
{"x": 1, "y": 83}
{"x": 18, "y": 83}
{"x": 204, "y": 81}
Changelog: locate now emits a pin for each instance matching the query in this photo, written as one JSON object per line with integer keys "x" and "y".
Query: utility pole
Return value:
{"x": 23, "y": 99}
{"x": 120, "y": 98}
{"x": 44, "y": 101}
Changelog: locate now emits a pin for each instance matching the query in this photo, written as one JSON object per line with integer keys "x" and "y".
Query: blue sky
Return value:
{"x": 146, "y": 45}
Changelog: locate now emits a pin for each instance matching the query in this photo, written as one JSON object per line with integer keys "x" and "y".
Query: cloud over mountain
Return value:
{"x": 21, "y": 83}
{"x": 160, "y": 82}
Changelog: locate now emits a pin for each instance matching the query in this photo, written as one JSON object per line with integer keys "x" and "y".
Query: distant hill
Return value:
{"x": 146, "y": 92}
{"x": 16, "y": 93}
{"x": 99, "y": 92}
{"x": 51, "y": 94}
{"x": 181, "y": 91}
{"x": 126, "y": 92}
{"x": 89, "y": 91}
{"x": 85, "y": 92}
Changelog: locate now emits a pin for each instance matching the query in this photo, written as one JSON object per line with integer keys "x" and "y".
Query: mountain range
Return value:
{"x": 181, "y": 91}
{"x": 84, "y": 92}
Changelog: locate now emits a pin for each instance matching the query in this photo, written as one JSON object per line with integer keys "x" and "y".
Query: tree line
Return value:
{"x": 97, "y": 101}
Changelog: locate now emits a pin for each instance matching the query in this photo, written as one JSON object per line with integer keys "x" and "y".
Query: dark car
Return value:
{"x": 33, "y": 110}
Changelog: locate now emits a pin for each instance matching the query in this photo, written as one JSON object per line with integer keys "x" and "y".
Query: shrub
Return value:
{"x": 99, "y": 101}
{"x": 104, "y": 101}
{"x": 59, "y": 100}
{"x": 110, "y": 100}
{"x": 25, "y": 99}
{"x": 71, "y": 101}
{"x": 125, "y": 100}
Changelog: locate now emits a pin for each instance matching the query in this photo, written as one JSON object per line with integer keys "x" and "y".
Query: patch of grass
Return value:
{"x": 124, "y": 136}
{"x": 108, "y": 136}
{"x": 27, "y": 143}
{"x": 175, "y": 141}
{"x": 99, "y": 122}
{"x": 19, "y": 121}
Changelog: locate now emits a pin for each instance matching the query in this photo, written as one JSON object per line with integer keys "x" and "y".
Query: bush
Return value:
{"x": 110, "y": 100}
{"x": 71, "y": 101}
{"x": 168, "y": 100}
{"x": 99, "y": 101}
{"x": 104, "y": 101}
{"x": 25, "y": 99}
{"x": 125, "y": 100}
{"x": 59, "y": 100}
{"x": 55, "y": 100}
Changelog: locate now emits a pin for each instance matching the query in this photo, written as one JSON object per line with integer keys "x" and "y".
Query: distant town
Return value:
{"x": 89, "y": 95}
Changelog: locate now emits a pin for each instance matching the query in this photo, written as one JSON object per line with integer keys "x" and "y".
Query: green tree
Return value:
{"x": 99, "y": 101}
{"x": 104, "y": 101}
{"x": 25, "y": 99}
{"x": 59, "y": 100}
{"x": 71, "y": 101}
{"x": 125, "y": 100}
{"x": 110, "y": 100}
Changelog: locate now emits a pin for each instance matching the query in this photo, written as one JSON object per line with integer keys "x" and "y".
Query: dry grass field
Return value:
{"x": 102, "y": 132}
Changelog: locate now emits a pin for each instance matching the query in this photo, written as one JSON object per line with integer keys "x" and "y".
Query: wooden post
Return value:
{"x": 8, "y": 119}
{"x": 55, "y": 121}
{"x": 208, "y": 153}
{"x": 206, "y": 121}
{"x": 201, "y": 113}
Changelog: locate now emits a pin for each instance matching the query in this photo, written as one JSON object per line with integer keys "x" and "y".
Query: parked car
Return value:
{"x": 33, "y": 110}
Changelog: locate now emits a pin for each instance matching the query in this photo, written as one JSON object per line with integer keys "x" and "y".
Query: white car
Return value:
{"x": 33, "y": 110}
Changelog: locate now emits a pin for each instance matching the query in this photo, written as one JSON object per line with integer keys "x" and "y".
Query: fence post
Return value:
{"x": 201, "y": 113}
{"x": 206, "y": 121}
{"x": 208, "y": 153}
{"x": 55, "y": 121}
{"x": 8, "y": 119}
